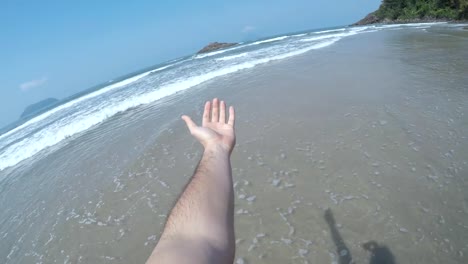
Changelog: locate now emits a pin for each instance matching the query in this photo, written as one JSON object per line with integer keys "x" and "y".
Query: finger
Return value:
{"x": 215, "y": 111}
{"x": 206, "y": 113}
{"x": 189, "y": 122}
{"x": 232, "y": 116}
{"x": 222, "y": 112}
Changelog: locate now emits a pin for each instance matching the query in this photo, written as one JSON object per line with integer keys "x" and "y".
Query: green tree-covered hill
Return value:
{"x": 407, "y": 10}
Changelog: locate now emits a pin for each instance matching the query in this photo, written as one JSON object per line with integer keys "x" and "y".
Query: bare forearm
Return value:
{"x": 206, "y": 206}
{"x": 201, "y": 222}
{"x": 216, "y": 195}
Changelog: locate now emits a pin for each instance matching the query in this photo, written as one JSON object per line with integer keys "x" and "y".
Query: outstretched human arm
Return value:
{"x": 200, "y": 227}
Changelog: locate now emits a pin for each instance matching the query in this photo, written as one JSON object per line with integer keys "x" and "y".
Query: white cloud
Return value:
{"x": 32, "y": 84}
{"x": 248, "y": 29}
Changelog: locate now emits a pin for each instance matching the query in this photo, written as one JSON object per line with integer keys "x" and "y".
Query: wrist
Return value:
{"x": 217, "y": 150}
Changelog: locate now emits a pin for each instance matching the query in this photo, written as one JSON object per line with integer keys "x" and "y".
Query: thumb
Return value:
{"x": 189, "y": 122}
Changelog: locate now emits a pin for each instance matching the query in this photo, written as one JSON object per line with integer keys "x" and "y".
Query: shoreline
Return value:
{"x": 406, "y": 21}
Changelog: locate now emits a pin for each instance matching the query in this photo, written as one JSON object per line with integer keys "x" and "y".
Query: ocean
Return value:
{"x": 368, "y": 121}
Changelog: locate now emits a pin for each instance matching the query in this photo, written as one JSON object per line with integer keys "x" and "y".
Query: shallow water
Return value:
{"x": 373, "y": 127}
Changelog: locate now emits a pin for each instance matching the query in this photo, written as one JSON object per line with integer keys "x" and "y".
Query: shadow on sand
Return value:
{"x": 380, "y": 254}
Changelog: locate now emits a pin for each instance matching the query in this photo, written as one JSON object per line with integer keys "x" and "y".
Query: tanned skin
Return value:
{"x": 200, "y": 227}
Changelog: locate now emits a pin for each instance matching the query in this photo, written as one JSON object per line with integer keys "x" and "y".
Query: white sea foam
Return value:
{"x": 331, "y": 30}
{"x": 457, "y": 25}
{"x": 390, "y": 26}
{"x": 269, "y": 40}
{"x": 410, "y": 25}
{"x": 354, "y": 31}
{"x": 233, "y": 57}
{"x": 423, "y": 24}
{"x": 360, "y": 29}
{"x": 327, "y": 37}
{"x": 82, "y": 98}
{"x": 62, "y": 129}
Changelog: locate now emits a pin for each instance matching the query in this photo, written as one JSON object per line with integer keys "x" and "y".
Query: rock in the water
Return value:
{"x": 369, "y": 19}
{"x": 215, "y": 46}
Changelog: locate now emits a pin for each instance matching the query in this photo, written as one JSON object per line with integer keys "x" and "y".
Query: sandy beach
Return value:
{"x": 367, "y": 146}
{"x": 373, "y": 127}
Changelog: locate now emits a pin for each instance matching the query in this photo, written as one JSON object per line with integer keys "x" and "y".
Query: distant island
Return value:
{"x": 409, "y": 11}
{"x": 215, "y": 46}
{"x": 39, "y": 107}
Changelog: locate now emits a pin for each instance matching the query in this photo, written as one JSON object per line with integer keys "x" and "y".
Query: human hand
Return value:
{"x": 214, "y": 133}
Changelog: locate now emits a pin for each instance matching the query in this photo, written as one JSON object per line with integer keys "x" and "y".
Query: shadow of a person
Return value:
{"x": 380, "y": 254}
{"x": 344, "y": 255}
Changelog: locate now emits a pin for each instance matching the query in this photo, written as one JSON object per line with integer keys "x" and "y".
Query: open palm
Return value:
{"x": 214, "y": 131}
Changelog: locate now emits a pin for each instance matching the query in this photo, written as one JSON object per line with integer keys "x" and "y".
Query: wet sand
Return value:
{"x": 374, "y": 128}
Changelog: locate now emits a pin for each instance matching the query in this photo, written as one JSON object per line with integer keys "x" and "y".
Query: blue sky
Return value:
{"x": 58, "y": 48}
